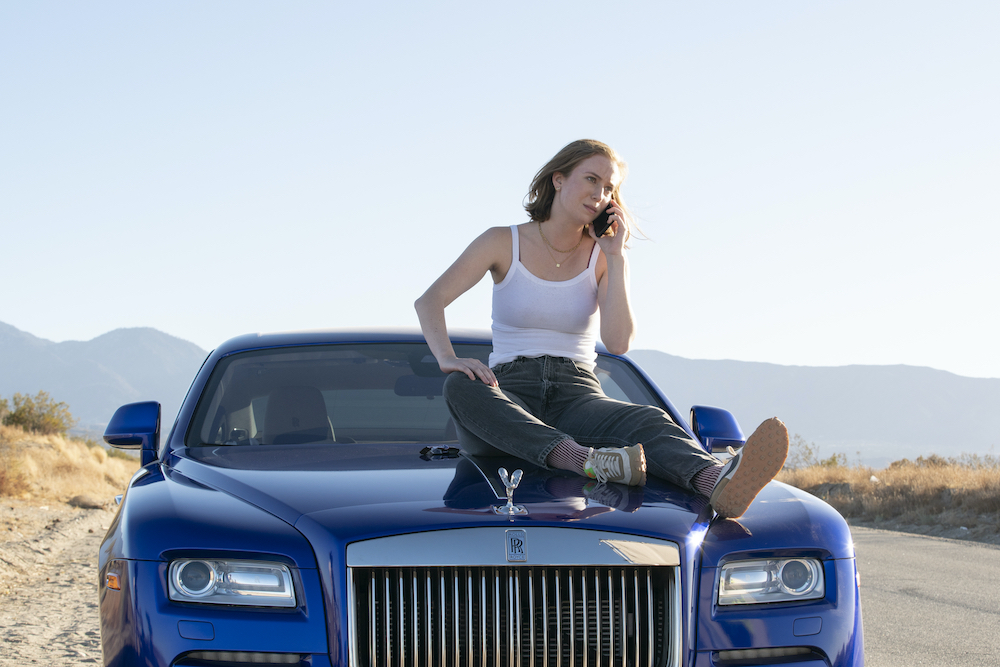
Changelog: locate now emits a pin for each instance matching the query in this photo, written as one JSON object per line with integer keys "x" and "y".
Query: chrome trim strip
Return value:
{"x": 352, "y": 629}
{"x": 482, "y": 616}
{"x": 496, "y": 618}
{"x": 558, "y": 622}
{"x": 531, "y": 622}
{"x": 388, "y": 620}
{"x": 624, "y": 616}
{"x": 455, "y": 613}
{"x": 611, "y": 616}
{"x": 545, "y": 621}
{"x": 373, "y": 620}
{"x": 551, "y": 547}
{"x": 517, "y": 613}
{"x": 635, "y": 616}
{"x": 401, "y": 618}
{"x": 649, "y": 610}
{"x": 428, "y": 611}
{"x": 674, "y": 621}
{"x": 415, "y": 614}
{"x": 597, "y": 616}
{"x": 572, "y": 622}
{"x": 586, "y": 625}
{"x": 444, "y": 616}
{"x": 468, "y": 611}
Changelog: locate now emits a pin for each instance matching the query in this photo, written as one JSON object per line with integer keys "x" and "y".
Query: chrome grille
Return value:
{"x": 511, "y": 616}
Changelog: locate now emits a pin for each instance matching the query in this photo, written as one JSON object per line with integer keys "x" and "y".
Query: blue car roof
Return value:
{"x": 370, "y": 335}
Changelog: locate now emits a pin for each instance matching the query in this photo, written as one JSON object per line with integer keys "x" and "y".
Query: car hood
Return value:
{"x": 362, "y": 491}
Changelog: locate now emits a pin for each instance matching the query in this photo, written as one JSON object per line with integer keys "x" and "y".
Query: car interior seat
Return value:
{"x": 296, "y": 415}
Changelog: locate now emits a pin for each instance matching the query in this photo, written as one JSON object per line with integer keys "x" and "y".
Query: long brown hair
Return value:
{"x": 542, "y": 192}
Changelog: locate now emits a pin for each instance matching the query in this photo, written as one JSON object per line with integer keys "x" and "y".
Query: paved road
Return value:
{"x": 928, "y": 601}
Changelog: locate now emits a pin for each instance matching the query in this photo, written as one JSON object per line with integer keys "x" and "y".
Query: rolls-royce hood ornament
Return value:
{"x": 510, "y": 482}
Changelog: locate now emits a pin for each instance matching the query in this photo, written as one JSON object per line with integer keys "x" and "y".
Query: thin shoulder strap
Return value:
{"x": 515, "y": 252}
{"x": 593, "y": 256}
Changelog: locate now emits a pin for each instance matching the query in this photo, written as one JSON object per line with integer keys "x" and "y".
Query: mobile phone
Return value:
{"x": 601, "y": 222}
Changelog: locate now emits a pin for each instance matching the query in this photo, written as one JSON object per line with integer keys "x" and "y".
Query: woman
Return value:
{"x": 557, "y": 286}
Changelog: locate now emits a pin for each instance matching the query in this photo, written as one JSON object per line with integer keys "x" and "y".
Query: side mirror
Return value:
{"x": 716, "y": 428}
{"x": 136, "y": 426}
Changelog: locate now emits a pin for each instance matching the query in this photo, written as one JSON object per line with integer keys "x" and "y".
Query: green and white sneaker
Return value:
{"x": 625, "y": 465}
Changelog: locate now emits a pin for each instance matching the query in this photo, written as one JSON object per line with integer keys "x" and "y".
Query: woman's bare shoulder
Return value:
{"x": 497, "y": 234}
{"x": 494, "y": 238}
{"x": 494, "y": 248}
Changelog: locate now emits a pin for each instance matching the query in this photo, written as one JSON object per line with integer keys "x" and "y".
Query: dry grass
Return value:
{"x": 52, "y": 467}
{"x": 950, "y": 497}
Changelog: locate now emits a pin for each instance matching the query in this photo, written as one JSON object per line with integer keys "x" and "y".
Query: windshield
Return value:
{"x": 348, "y": 393}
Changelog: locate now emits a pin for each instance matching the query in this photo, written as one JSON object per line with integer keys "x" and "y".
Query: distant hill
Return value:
{"x": 885, "y": 412}
{"x": 97, "y": 376}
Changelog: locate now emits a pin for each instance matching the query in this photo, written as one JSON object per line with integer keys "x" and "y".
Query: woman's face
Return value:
{"x": 585, "y": 191}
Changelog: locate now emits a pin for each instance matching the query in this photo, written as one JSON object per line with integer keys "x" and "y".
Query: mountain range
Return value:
{"x": 97, "y": 376}
{"x": 876, "y": 413}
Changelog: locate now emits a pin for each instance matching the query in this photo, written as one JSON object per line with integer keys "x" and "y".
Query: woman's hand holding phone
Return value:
{"x": 607, "y": 229}
{"x": 602, "y": 221}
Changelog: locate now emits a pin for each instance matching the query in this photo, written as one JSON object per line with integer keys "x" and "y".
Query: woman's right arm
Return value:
{"x": 486, "y": 253}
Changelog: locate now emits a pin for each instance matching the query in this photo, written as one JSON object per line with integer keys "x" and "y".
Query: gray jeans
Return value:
{"x": 542, "y": 401}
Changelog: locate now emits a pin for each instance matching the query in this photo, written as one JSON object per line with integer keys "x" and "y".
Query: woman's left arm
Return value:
{"x": 617, "y": 321}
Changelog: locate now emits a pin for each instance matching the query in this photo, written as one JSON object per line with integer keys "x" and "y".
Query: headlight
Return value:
{"x": 776, "y": 580}
{"x": 239, "y": 582}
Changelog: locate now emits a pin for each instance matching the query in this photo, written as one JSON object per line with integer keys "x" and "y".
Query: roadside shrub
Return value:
{"x": 835, "y": 461}
{"x": 801, "y": 454}
{"x": 39, "y": 414}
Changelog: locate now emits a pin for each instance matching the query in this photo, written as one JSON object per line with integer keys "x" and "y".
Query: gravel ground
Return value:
{"x": 48, "y": 583}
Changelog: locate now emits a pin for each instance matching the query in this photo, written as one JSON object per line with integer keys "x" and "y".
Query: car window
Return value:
{"x": 347, "y": 393}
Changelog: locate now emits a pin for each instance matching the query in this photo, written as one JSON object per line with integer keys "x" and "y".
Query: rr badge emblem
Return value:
{"x": 517, "y": 546}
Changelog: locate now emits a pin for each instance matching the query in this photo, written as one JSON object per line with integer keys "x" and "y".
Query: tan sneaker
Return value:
{"x": 749, "y": 471}
{"x": 625, "y": 465}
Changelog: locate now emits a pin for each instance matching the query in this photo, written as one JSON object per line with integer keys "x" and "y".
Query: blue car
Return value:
{"x": 311, "y": 505}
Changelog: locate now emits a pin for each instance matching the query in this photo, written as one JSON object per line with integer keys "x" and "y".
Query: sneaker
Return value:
{"x": 615, "y": 496}
{"x": 626, "y": 465}
{"x": 756, "y": 464}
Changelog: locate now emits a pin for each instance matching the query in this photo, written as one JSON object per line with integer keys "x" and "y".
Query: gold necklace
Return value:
{"x": 564, "y": 252}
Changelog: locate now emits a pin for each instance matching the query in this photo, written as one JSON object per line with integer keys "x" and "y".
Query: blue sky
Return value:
{"x": 819, "y": 179}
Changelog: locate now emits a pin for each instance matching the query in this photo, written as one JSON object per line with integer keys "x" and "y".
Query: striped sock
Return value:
{"x": 705, "y": 479}
{"x": 568, "y": 455}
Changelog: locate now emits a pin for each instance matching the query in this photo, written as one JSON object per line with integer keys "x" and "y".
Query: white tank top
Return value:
{"x": 534, "y": 317}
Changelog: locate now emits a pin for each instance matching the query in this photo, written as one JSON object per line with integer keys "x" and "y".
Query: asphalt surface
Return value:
{"x": 928, "y": 601}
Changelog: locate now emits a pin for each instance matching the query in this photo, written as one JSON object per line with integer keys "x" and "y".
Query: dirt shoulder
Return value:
{"x": 48, "y": 583}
